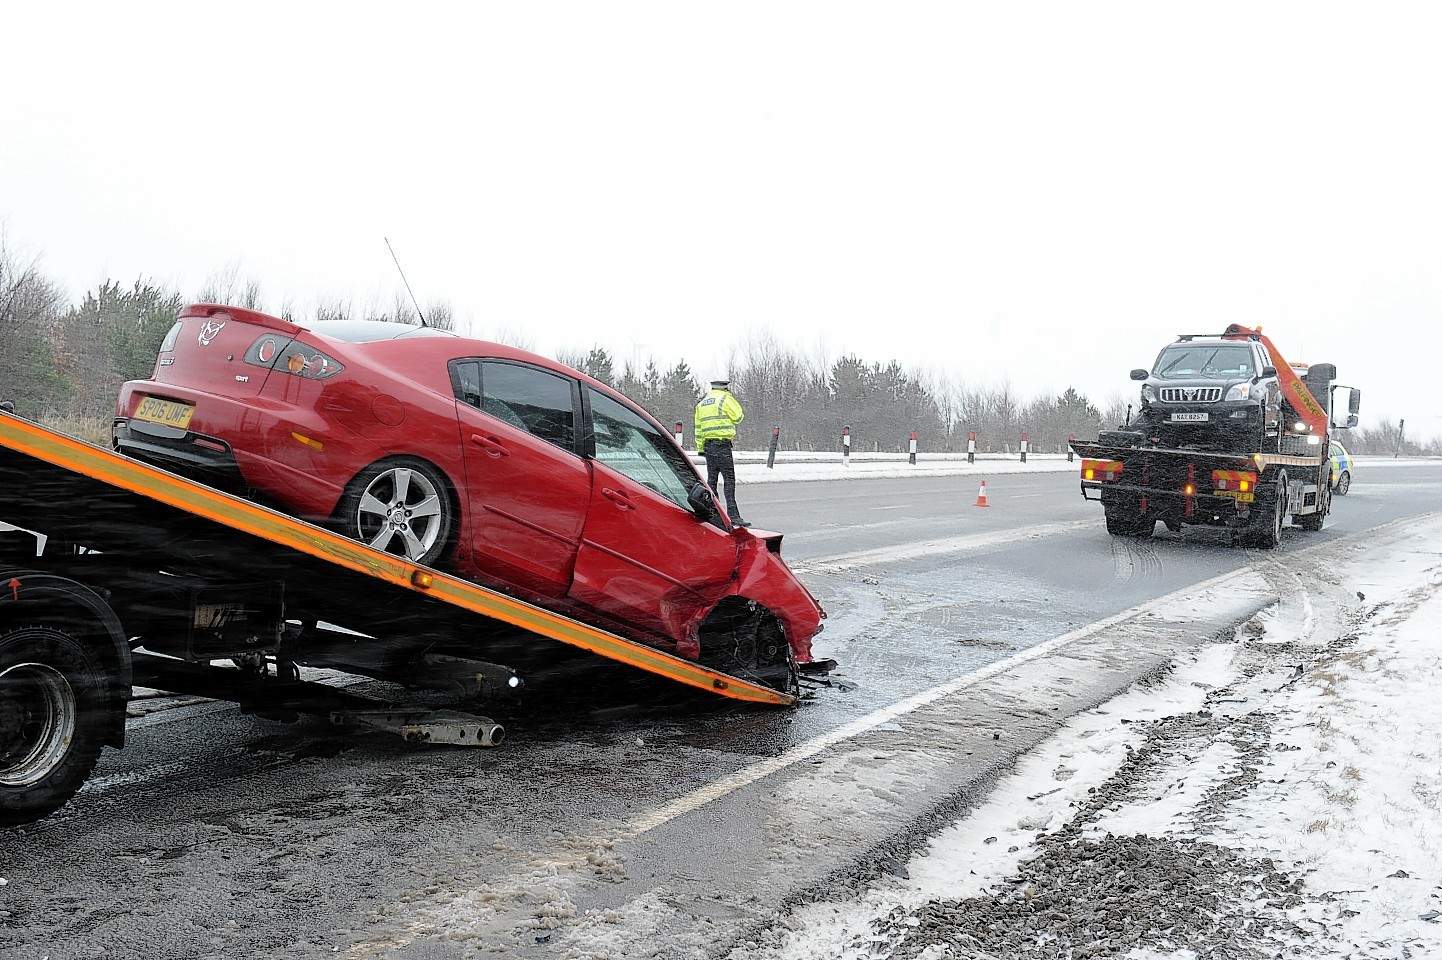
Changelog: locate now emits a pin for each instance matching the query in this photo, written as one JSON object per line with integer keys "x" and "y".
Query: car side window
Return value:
{"x": 528, "y": 398}
{"x": 631, "y": 445}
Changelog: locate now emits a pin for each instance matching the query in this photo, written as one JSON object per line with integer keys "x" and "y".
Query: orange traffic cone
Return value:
{"x": 981, "y": 496}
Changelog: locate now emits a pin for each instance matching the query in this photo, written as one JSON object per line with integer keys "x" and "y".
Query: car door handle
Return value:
{"x": 618, "y": 498}
{"x": 493, "y": 446}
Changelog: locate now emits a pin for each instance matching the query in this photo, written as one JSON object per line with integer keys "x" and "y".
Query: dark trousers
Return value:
{"x": 719, "y": 463}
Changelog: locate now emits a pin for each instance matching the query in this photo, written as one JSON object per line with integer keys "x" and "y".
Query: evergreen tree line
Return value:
{"x": 64, "y": 362}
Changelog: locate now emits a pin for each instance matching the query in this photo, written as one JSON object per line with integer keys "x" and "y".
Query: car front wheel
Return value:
{"x": 1344, "y": 483}
{"x": 745, "y": 640}
{"x": 400, "y": 506}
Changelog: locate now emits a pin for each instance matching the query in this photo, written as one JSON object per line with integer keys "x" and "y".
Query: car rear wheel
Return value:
{"x": 1344, "y": 483}
{"x": 401, "y": 506}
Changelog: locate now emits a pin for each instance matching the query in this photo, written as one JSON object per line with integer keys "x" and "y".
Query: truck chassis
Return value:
{"x": 1250, "y": 495}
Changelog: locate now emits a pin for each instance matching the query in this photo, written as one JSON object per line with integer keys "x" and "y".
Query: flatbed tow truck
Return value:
{"x": 115, "y": 574}
{"x": 1243, "y": 445}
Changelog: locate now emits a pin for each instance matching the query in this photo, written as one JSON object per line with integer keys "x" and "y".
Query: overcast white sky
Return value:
{"x": 1035, "y": 193}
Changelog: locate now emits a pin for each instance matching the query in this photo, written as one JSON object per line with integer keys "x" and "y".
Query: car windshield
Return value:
{"x": 1211, "y": 361}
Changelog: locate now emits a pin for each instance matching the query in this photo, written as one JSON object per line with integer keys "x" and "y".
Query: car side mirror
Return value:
{"x": 6, "y": 406}
{"x": 702, "y": 501}
{"x": 1139, "y": 374}
{"x": 1269, "y": 371}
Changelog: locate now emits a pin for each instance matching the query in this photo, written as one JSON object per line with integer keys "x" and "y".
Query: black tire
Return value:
{"x": 1344, "y": 483}
{"x": 1265, "y": 533}
{"x": 54, "y": 711}
{"x": 749, "y": 643}
{"x": 402, "y": 506}
{"x": 1314, "y": 521}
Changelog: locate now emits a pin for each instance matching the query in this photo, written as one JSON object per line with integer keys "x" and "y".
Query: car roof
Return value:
{"x": 368, "y": 331}
{"x": 387, "y": 339}
{"x": 1206, "y": 342}
{"x": 385, "y": 342}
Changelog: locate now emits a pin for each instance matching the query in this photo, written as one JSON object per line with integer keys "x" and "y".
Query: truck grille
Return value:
{"x": 1191, "y": 394}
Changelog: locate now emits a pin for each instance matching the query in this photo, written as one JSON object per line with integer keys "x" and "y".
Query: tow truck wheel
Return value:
{"x": 1266, "y": 530}
{"x": 401, "y": 506}
{"x": 53, "y": 710}
{"x": 1314, "y": 521}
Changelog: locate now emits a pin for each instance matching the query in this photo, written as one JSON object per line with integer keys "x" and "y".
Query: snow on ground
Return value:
{"x": 1276, "y": 795}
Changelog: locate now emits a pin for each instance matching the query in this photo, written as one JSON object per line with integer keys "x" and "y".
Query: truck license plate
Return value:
{"x": 168, "y": 412}
{"x": 1189, "y": 417}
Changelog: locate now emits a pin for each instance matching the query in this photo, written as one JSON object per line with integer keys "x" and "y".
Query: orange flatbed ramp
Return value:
{"x": 64, "y": 487}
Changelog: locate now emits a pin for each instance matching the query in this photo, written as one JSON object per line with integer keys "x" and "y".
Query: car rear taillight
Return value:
{"x": 286, "y": 355}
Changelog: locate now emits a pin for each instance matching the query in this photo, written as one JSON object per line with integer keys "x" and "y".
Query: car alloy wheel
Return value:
{"x": 402, "y": 507}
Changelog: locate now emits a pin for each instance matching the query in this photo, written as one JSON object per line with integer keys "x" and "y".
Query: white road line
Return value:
{"x": 911, "y": 551}
{"x": 1239, "y": 581}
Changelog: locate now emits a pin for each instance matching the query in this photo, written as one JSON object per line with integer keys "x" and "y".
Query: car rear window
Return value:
{"x": 369, "y": 331}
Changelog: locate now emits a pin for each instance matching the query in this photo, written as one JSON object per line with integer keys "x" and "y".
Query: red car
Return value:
{"x": 510, "y": 469}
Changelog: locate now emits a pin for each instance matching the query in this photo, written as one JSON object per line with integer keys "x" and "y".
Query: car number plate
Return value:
{"x": 1190, "y": 417}
{"x": 168, "y": 412}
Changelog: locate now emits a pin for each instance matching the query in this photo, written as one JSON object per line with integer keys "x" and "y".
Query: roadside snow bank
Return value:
{"x": 1276, "y": 794}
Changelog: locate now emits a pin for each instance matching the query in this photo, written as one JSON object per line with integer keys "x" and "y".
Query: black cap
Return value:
{"x": 720, "y": 383}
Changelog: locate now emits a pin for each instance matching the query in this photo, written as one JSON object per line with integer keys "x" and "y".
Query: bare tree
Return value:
{"x": 30, "y": 306}
{"x": 225, "y": 286}
{"x": 440, "y": 315}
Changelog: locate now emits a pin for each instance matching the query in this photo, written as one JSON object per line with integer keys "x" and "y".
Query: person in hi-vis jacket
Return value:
{"x": 717, "y": 416}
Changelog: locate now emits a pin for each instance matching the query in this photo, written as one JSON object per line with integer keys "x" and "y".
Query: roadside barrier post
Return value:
{"x": 846, "y": 446}
{"x": 971, "y": 447}
{"x": 1070, "y": 453}
{"x": 1023, "y": 448}
{"x": 679, "y": 434}
{"x": 912, "y": 458}
{"x": 775, "y": 439}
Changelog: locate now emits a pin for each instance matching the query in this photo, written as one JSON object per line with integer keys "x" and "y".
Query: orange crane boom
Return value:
{"x": 1312, "y": 413}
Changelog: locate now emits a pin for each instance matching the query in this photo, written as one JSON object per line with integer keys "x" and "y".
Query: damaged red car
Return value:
{"x": 503, "y": 466}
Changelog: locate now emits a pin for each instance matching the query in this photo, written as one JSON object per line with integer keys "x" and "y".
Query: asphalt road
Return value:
{"x": 623, "y": 818}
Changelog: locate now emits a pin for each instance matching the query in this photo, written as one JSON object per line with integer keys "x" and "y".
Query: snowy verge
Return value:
{"x": 1275, "y": 794}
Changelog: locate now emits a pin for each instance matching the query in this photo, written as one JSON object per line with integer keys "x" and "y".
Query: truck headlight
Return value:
{"x": 1240, "y": 392}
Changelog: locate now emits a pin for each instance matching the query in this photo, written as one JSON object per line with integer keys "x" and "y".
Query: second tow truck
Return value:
{"x": 1228, "y": 434}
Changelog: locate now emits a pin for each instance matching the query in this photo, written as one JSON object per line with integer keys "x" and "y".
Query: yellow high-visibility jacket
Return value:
{"x": 717, "y": 416}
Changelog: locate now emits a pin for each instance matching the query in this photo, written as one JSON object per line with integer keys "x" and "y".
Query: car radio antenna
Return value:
{"x": 406, "y": 282}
